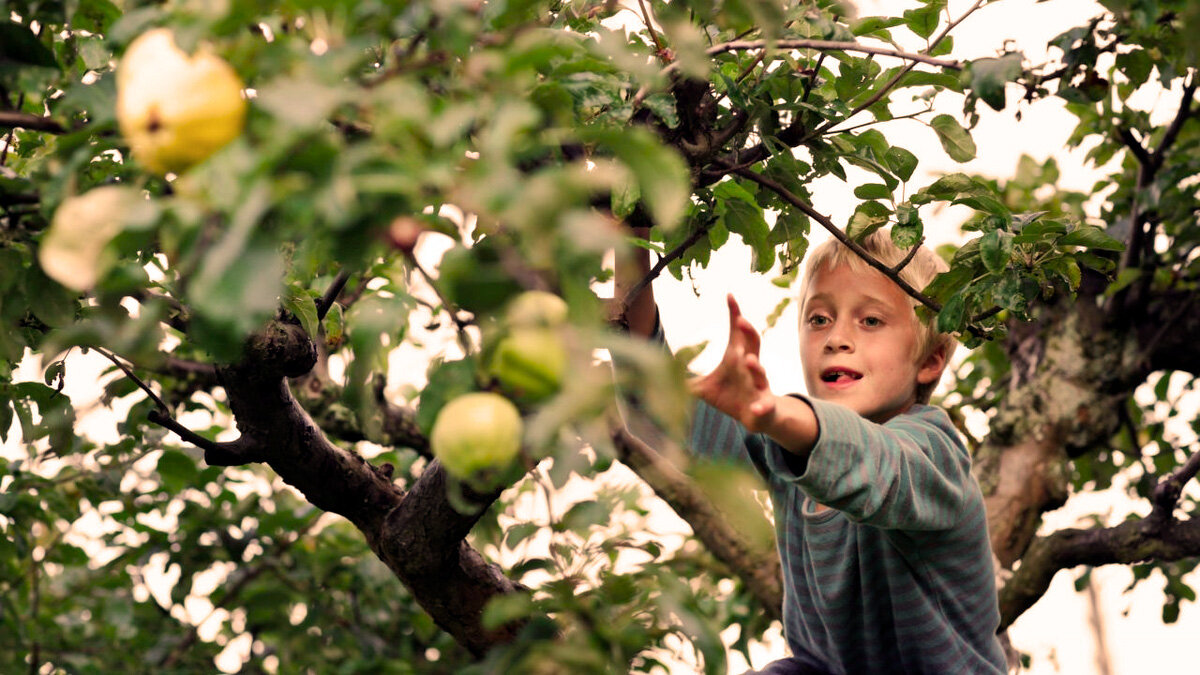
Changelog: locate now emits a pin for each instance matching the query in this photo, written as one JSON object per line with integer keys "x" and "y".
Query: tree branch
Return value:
{"x": 829, "y": 45}
{"x": 1130, "y": 542}
{"x": 331, "y": 294}
{"x": 759, "y": 568}
{"x": 912, "y": 63}
{"x": 419, "y": 535}
{"x": 11, "y": 119}
{"x": 838, "y": 234}
{"x": 661, "y": 265}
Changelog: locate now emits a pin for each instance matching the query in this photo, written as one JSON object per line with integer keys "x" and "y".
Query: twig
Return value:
{"x": 460, "y": 325}
{"x": 838, "y": 234}
{"x": 1168, "y": 490}
{"x": 325, "y": 303}
{"x": 874, "y": 122}
{"x": 136, "y": 380}
{"x": 822, "y": 45}
{"x": 658, "y": 47}
{"x": 658, "y": 268}
{"x": 816, "y": 74}
{"x": 904, "y": 71}
{"x": 912, "y": 252}
{"x": 831, "y": 45}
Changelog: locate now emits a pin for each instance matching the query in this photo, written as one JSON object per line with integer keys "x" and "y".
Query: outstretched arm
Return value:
{"x": 738, "y": 387}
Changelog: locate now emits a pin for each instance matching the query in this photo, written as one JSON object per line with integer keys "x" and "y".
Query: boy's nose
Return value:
{"x": 839, "y": 342}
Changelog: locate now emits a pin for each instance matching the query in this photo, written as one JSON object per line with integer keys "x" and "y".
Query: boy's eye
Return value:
{"x": 818, "y": 320}
{"x": 872, "y": 322}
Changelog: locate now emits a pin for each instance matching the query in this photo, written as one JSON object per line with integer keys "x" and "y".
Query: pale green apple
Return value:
{"x": 530, "y": 362}
{"x": 476, "y": 432}
{"x": 176, "y": 109}
{"x": 536, "y": 309}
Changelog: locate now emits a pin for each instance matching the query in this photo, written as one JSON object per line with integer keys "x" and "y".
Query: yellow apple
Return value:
{"x": 476, "y": 432}
{"x": 176, "y": 109}
{"x": 72, "y": 250}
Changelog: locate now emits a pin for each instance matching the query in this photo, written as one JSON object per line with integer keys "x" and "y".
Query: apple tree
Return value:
{"x": 250, "y": 272}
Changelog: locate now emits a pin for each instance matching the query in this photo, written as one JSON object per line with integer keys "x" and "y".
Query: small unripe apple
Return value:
{"x": 72, "y": 250}
{"x": 173, "y": 109}
{"x": 475, "y": 432}
{"x": 530, "y": 362}
{"x": 536, "y": 309}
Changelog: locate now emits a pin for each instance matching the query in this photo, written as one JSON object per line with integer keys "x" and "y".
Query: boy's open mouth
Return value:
{"x": 839, "y": 375}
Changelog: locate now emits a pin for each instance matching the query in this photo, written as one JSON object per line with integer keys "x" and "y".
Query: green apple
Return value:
{"x": 475, "y": 432}
{"x": 530, "y": 362}
{"x": 176, "y": 109}
{"x": 72, "y": 252}
{"x": 536, "y": 309}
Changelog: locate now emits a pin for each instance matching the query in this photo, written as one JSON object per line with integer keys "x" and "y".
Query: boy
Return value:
{"x": 881, "y": 527}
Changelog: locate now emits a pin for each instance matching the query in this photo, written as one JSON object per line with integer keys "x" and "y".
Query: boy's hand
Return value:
{"x": 738, "y": 386}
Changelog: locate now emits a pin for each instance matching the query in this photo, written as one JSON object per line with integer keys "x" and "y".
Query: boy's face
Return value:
{"x": 858, "y": 343}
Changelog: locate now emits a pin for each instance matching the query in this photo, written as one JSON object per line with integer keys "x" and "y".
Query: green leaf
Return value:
{"x": 18, "y": 44}
{"x": 955, "y": 140}
{"x": 1091, "y": 236}
{"x": 176, "y": 469}
{"x": 901, "y": 162}
{"x": 924, "y": 20}
{"x": 663, "y": 177}
{"x": 744, "y": 217}
{"x": 907, "y": 236}
{"x": 447, "y": 380}
{"x": 951, "y": 185}
{"x": 952, "y": 316}
{"x": 303, "y": 306}
{"x": 990, "y": 75}
{"x": 506, "y": 608}
{"x": 868, "y": 217}
{"x": 948, "y": 283}
{"x": 872, "y": 191}
{"x": 519, "y": 533}
{"x": 995, "y": 248}
{"x": 335, "y": 326}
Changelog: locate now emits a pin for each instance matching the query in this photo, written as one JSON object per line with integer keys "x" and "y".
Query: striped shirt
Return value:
{"x": 896, "y": 577}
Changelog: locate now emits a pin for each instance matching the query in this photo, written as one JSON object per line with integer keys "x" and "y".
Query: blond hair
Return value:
{"x": 918, "y": 272}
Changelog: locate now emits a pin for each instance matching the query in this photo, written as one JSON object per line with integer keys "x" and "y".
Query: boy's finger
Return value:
{"x": 757, "y": 373}
{"x": 749, "y": 335}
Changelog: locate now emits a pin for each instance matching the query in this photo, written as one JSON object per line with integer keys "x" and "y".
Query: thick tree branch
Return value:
{"x": 1130, "y": 542}
{"x": 419, "y": 535}
{"x": 757, "y": 566}
{"x": 1071, "y": 373}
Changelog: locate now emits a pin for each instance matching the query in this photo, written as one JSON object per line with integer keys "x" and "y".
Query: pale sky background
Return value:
{"x": 1056, "y": 631}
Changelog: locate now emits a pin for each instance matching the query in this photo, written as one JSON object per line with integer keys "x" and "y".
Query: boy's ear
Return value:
{"x": 930, "y": 370}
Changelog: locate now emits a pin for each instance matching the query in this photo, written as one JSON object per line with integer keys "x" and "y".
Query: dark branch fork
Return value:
{"x": 1159, "y": 536}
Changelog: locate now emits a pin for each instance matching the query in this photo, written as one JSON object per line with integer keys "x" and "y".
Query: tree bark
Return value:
{"x": 418, "y": 535}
